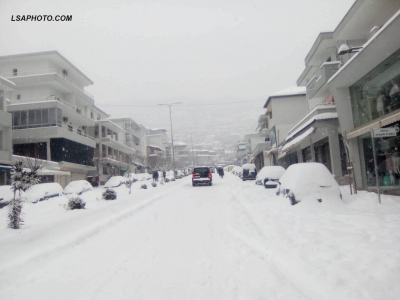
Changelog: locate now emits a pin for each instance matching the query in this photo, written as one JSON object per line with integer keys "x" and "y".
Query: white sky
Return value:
{"x": 148, "y": 52}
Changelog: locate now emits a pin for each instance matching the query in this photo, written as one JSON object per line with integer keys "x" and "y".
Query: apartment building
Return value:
{"x": 5, "y": 132}
{"x": 283, "y": 109}
{"x": 366, "y": 90}
{"x": 135, "y": 137}
{"x": 158, "y": 149}
{"x": 317, "y": 136}
{"x": 51, "y": 110}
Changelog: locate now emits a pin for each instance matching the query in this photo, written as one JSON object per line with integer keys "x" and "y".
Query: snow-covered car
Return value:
{"x": 269, "y": 176}
{"x": 116, "y": 181}
{"x": 78, "y": 187}
{"x": 237, "y": 170}
{"x": 6, "y": 195}
{"x": 308, "y": 181}
{"x": 249, "y": 172}
{"x": 140, "y": 176}
{"x": 43, "y": 191}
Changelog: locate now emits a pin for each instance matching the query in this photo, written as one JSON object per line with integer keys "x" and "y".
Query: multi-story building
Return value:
{"x": 316, "y": 136}
{"x": 5, "y": 132}
{"x": 51, "y": 110}
{"x": 366, "y": 90}
{"x": 158, "y": 150}
{"x": 114, "y": 156}
{"x": 135, "y": 137}
{"x": 283, "y": 109}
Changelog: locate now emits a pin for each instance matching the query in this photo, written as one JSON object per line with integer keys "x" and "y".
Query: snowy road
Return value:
{"x": 233, "y": 240}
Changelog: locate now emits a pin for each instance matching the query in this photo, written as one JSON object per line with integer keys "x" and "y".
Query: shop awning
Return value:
{"x": 272, "y": 151}
{"x": 5, "y": 168}
{"x": 382, "y": 122}
{"x": 297, "y": 140}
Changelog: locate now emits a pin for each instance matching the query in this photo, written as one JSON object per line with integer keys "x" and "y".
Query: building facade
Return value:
{"x": 366, "y": 90}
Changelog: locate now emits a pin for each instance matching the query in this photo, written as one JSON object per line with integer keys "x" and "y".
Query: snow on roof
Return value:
{"x": 298, "y": 139}
{"x": 291, "y": 91}
{"x": 323, "y": 116}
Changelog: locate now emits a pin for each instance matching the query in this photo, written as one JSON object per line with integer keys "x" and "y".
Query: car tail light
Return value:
{"x": 209, "y": 175}
{"x": 192, "y": 175}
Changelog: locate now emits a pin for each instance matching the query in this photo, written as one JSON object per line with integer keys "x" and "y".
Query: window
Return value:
{"x": 91, "y": 115}
{"x": 70, "y": 128}
{"x": 15, "y": 72}
{"x": 378, "y": 92}
{"x": 18, "y": 97}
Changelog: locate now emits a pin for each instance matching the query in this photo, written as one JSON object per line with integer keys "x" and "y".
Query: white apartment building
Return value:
{"x": 158, "y": 150}
{"x": 135, "y": 137}
{"x": 51, "y": 110}
{"x": 5, "y": 132}
{"x": 283, "y": 109}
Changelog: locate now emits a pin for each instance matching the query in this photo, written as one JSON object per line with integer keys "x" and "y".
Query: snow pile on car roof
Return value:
{"x": 272, "y": 172}
{"x": 77, "y": 186}
{"x": 115, "y": 181}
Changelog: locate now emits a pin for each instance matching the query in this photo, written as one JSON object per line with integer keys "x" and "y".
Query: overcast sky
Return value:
{"x": 147, "y": 52}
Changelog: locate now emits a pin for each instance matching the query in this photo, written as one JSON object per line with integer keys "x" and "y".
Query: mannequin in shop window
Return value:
{"x": 396, "y": 161}
{"x": 395, "y": 94}
{"x": 390, "y": 166}
{"x": 380, "y": 103}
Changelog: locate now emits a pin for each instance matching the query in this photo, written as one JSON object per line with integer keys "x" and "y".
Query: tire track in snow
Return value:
{"x": 283, "y": 267}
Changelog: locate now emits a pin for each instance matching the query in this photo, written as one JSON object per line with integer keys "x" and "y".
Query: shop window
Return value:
{"x": 378, "y": 92}
{"x": 387, "y": 160}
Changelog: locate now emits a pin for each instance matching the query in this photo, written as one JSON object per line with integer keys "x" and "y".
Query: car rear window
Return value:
{"x": 201, "y": 171}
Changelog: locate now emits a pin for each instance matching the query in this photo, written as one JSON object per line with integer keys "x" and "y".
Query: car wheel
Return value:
{"x": 210, "y": 184}
{"x": 193, "y": 184}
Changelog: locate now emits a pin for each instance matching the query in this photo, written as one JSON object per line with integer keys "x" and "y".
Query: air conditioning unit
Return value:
{"x": 65, "y": 119}
{"x": 65, "y": 72}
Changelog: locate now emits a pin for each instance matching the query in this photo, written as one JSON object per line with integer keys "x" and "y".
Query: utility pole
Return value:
{"x": 172, "y": 135}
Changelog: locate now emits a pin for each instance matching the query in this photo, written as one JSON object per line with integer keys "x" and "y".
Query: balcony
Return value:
{"x": 50, "y": 76}
{"x": 322, "y": 75}
{"x": 39, "y": 134}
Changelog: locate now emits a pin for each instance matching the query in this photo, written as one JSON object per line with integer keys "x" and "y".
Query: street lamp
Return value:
{"x": 172, "y": 135}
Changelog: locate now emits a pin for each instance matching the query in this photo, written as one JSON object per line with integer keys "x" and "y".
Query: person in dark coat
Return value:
{"x": 155, "y": 176}
{"x": 164, "y": 174}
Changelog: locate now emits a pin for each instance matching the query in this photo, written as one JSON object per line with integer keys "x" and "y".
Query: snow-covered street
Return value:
{"x": 233, "y": 240}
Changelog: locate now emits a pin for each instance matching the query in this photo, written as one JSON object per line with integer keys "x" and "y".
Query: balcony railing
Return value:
{"x": 44, "y": 72}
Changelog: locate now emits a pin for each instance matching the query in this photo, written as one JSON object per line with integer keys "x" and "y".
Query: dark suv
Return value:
{"x": 201, "y": 176}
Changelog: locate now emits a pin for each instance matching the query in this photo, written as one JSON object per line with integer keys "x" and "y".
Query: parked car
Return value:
{"x": 116, "y": 181}
{"x": 43, "y": 191}
{"x": 249, "y": 172}
{"x": 201, "y": 176}
{"x": 308, "y": 181}
{"x": 78, "y": 187}
{"x": 237, "y": 170}
{"x": 269, "y": 176}
{"x": 93, "y": 180}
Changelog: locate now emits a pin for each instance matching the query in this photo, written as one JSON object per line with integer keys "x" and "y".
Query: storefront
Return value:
{"x": 375, "y": 100}
{"x": 387, "y": 160}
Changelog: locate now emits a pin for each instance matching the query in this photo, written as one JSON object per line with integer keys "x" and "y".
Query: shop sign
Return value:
{"x": 385, "y": 132}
